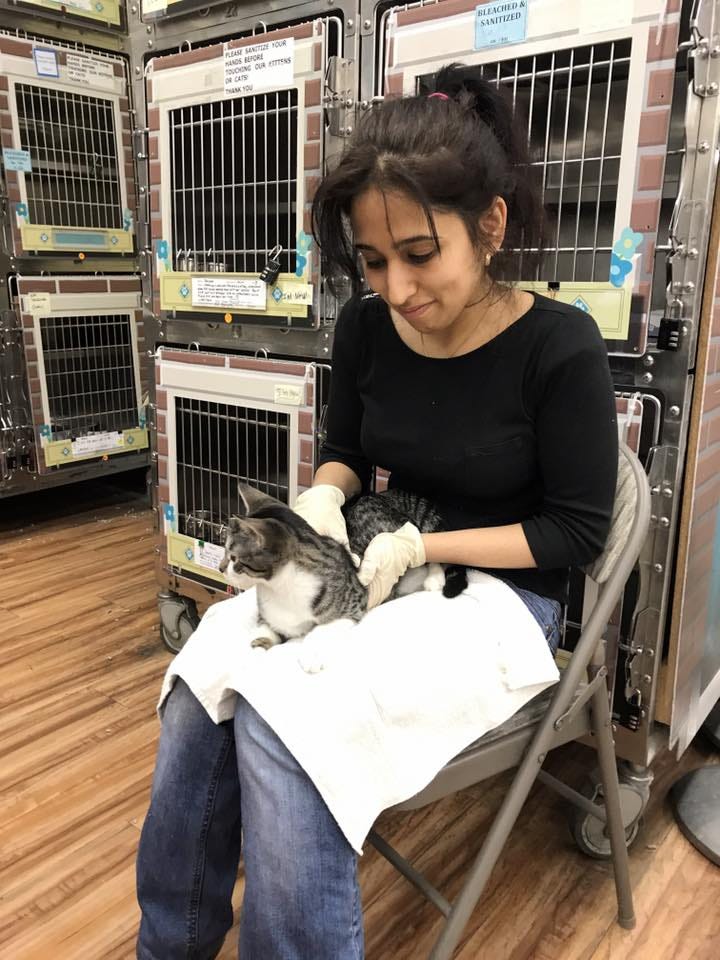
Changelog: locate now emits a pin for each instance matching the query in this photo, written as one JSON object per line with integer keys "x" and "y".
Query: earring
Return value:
{"x": 488, "y": 258}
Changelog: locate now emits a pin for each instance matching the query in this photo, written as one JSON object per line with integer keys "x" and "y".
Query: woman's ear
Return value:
{"x": 493, "y": 223}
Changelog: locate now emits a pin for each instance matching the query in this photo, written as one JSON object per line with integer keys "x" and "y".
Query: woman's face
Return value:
{"x": 429, "y": 289}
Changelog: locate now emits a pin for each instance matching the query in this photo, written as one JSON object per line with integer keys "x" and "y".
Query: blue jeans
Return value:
{"x": 215, "y": 783}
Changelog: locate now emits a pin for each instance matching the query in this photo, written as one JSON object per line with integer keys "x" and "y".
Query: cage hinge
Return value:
{"x": 705, "y": 52}
{"x": 338, "y": 97}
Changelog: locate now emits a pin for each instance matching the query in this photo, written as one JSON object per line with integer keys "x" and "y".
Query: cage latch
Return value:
{"x": 271, "y": 270}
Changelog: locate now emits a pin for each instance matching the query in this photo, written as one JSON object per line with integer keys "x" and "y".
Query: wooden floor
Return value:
{"x": 79, "y": 675}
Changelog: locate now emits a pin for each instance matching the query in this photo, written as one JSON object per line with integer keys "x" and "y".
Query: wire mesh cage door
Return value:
{"x": 87, "y": 385}
{"x": 67, "y": 158}
{"x": 224, "y": 419}
{"x": 238, "y": 133}
{"x": 595, "y": 99}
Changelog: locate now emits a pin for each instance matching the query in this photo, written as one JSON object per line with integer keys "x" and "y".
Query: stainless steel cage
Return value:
{"x": 221, "y": 418}
{"x": 233, "y": 167}
{"x": 68, "y": 165}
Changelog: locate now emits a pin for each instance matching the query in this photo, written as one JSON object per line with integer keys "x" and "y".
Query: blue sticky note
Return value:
{"x": 17, "y": 160}
{"x": 504, "y": 21}
{"x": 46, "y": 64}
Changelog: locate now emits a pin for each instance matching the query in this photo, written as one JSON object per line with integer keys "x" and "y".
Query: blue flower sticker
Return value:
{"x": 142, "y": 420}
{"x": 45, "y": 430}
{"x": 304, "y": 242}
{"x": 628, "y": 243}
{"x": 169, "y": 511}
{"x": 162, "y": 249}
{"x": 21, "y": 209}
{"x": 619, "y": 269}
{"x": 127, "y": 219}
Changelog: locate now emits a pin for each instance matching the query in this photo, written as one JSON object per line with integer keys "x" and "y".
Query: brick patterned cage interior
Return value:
{"x": 218, "y": 444}
{"x": 234, "y": 182}
{"x": 72, "y": 139}
{"x": 89, "y": 374}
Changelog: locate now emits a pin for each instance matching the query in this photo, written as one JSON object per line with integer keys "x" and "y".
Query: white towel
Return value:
{"x": 400, "y": 694}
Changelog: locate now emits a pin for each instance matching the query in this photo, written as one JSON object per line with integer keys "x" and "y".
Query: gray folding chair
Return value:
{"x": 578, "y": 706}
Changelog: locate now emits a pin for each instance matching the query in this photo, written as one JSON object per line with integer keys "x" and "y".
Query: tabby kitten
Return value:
{"x": 304, "y": 579}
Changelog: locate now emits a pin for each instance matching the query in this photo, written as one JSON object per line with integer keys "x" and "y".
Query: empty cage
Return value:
{"x": 86, "y": 373}
{"x": 595, "y": 102}
{"x": 237, "y": 141}
{"x": 67, "y": 157}
{"x": 220, "y": 419}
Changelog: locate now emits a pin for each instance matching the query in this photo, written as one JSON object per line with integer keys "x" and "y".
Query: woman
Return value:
{"x": 494, "y": 403}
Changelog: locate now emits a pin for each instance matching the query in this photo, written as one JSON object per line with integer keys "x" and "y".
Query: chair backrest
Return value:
{"x": 628, "y": 532}
{"x": 631, "y": 485}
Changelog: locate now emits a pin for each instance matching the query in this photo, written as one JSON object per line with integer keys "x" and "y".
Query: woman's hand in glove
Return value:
{"x": 320, "y": 506}
{"x": 387, "y": 558}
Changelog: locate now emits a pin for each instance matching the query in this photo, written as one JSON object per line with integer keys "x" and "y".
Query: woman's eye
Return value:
{"x": 373, "y": 264}
{"x": 421, "y": 257}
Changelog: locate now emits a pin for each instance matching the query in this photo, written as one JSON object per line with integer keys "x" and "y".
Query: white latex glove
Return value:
{"x": 320, "y": 507}
{"x": 387, "y": 558}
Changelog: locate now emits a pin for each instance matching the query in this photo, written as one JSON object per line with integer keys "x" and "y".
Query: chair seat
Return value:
{"x": 526, "y": 716}
{"x": 499, "y": 749}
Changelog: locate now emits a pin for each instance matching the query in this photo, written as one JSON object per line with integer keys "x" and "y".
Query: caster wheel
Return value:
{"x": 178, "y": 620}
{"x": 590, "y": 834}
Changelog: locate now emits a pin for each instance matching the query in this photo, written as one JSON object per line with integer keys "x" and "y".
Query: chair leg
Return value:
{"x": 602, "y": 728}
{"x": 486, "y": 859}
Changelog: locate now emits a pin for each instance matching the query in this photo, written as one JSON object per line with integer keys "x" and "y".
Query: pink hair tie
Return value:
{"x": 440, "y": 96}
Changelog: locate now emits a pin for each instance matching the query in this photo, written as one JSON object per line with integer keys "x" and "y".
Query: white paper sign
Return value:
{"x": 301, "y": 294}
{"x": 96, "y": 442}
{"x": 87, "y": 70}
{"x": 263, "y": 66}
{"x": 153, "y": 6}
{"x": 289, "y": 394}
{"x": 208, "y": 555}
{"x": 46, "y": 64}
{"x": 37, "y": 303}
{"x": 235, "y": 294}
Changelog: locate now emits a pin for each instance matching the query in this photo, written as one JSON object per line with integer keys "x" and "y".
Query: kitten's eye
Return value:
{"x": 233, "y": 558}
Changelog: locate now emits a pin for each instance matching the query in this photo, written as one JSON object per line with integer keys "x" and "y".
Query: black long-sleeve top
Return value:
{"x": 521, "y": 430}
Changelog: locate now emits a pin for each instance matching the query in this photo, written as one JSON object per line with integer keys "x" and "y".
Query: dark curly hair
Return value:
{"x": 452, "y": 155}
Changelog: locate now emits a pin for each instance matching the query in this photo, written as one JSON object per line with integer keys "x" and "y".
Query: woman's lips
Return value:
{"x": 416, "y": 311}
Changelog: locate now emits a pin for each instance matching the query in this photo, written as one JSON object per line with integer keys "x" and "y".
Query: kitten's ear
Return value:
{"x": 253, "y": 499}
{"x": 242, "y": 527}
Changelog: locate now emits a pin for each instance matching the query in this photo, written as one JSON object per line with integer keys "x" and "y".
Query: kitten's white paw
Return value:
{"x": 322, "y": 644}
{"x": 435, "y": 578}
{"x": 312, "y": 660}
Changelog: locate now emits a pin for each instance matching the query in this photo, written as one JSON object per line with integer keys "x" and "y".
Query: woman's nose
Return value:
{"x": 401, "y": 285}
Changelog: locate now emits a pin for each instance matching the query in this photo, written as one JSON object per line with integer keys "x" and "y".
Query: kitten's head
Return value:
{"x": 258, "y": 543}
